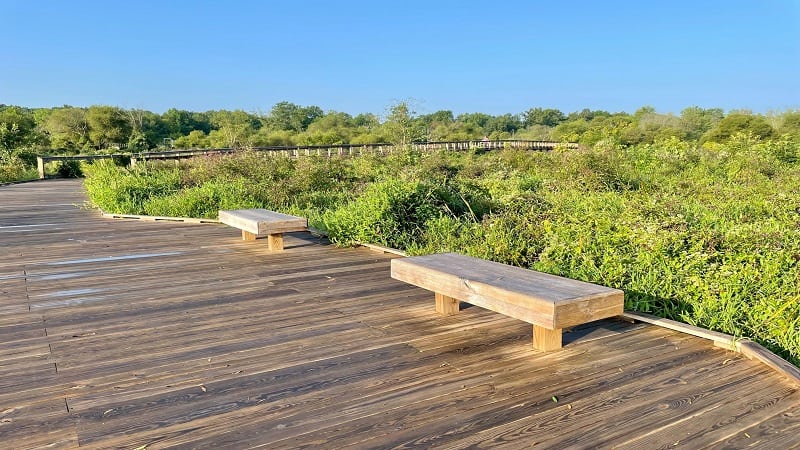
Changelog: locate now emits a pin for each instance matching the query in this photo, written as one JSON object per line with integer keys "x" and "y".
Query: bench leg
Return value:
{"x": 545, "y": 339}
{"x": 446, "y": 305}
{"x": 275, "y": 242}
{"x": 248, "y": 236}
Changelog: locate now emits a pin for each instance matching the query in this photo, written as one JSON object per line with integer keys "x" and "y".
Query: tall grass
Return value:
{"x": 709, "y": 236}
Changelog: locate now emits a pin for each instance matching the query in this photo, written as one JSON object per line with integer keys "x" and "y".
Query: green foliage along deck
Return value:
{"x": 708, "y": 235}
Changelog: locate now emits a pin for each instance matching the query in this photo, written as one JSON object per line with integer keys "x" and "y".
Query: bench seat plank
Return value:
{"x": 260, "y": 222}
{"x": 541, "y": 299}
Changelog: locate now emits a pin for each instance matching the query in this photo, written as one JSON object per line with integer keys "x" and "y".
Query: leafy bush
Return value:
{"x": 126, "y": 191}
{"x": 11, "y": 169}
{"x": 15, "y": 166}
{"x": 388, "y": 213}
{"x": 70, "y": 169}
{"x": 203, "y": 201}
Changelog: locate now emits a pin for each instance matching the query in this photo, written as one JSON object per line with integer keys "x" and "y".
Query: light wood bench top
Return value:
{"x": 547, "y": 301}
{"x": 260, "y": 222}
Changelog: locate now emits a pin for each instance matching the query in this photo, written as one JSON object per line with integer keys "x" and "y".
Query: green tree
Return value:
{"x": 178, "y": 122}
{"x": 739, "y": 123}
{"x": 506, "y": 124}
{"x": 538, "y": 116}
{"x": 22, "y": 117}
{"x": 476, "y": 120}
{"x": 368, "y": 129}
{"x": 147, "y": 129}
{"x": 401, "y": 126}
{"x": 647, "y": 126}
{"x": 291, "y": 117}
{"x": 611, "y": 129}
{"x": 137, "y": 141}
{"x": 587, "y": 115}
{"x": 233, "y": 128}
{"x": 443, "y": 116}
{"x": 18, "y": 128}
{"x": 366, "y": 121}
{"x": 108, "y": 126}
{"x": 696, "y": 121}
{"x": 790, "y": 124}
{"x": 154, "y": 129}
{"x": 333, "y": 128}
{"x": 9, "y": 135}
{"x": 195, "y": 139}
{"x": 437, "y": 125}
{"x": 570, "y": 131}
{"x": 265, "y": 137}
{"x": 68, "y": 128}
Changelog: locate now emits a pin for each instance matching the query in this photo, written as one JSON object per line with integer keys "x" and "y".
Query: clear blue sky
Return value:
{"x": 494, "y": 57}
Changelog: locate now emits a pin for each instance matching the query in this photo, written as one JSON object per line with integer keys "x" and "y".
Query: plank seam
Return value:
{"x": 743, "y": 345}
{"x": 25, "y": 279}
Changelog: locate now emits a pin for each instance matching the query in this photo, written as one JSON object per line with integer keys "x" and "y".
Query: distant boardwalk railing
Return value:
{"x": 313, "y": 150}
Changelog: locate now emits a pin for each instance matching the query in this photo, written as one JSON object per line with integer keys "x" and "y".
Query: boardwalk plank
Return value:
{"x": 718, "y": 422}
{"x": 779, "y": 431}
{"x": 171, "y": 334}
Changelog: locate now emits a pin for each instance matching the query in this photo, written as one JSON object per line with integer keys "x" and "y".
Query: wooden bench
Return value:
{"x": 260, "y": 222}
{"x": 549, "y": 302}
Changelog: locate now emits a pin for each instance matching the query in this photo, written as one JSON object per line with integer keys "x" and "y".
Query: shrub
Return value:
{"x": 11, "y": 169}
{"x": 388, "y": 213}
{"x": 204, "y": 200}
{"x": 124, "y": 191}
{"x": 70, "y": 169}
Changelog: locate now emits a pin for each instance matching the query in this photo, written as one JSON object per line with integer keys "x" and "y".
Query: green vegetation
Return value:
{"x": 108, "y": 129}
{"x": 706, "y": 234}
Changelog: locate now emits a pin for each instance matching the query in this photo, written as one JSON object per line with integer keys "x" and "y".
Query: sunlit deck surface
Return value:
{"x": 124, "y": 333}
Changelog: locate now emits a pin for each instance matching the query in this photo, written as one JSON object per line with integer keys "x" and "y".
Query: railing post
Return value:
{"x": 40, "y": 166}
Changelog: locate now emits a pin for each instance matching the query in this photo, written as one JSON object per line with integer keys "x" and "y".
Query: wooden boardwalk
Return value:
{"x": 123, "y": 334}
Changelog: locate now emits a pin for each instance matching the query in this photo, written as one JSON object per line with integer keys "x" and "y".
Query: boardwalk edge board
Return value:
{"x": 158, "y": 218}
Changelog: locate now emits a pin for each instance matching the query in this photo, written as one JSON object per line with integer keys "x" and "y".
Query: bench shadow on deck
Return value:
{"x": 118, "y": 333}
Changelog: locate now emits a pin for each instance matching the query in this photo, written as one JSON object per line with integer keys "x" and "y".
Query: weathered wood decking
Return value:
{"x": 119, "y": 333}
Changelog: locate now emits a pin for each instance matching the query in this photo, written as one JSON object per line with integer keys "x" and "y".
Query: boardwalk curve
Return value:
{"x": 121, "y": 334}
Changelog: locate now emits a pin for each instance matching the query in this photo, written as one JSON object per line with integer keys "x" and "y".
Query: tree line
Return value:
{"x": 103, "y": 129}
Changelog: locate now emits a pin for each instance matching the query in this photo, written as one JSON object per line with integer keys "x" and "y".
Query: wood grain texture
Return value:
{"x": 262, "y": 221}
{"x": 756, "y": 351}
{"x": 159, "y": 218}
{"x": 748, "y": 348}
{"x": 275, "y": 242}
{"x": 445, "y": 305}
{"x": 537, "y": 298}
{"x": 121, "y": 334}
{"x": 722, "y": 340}
{"x": 546, "y": 340}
